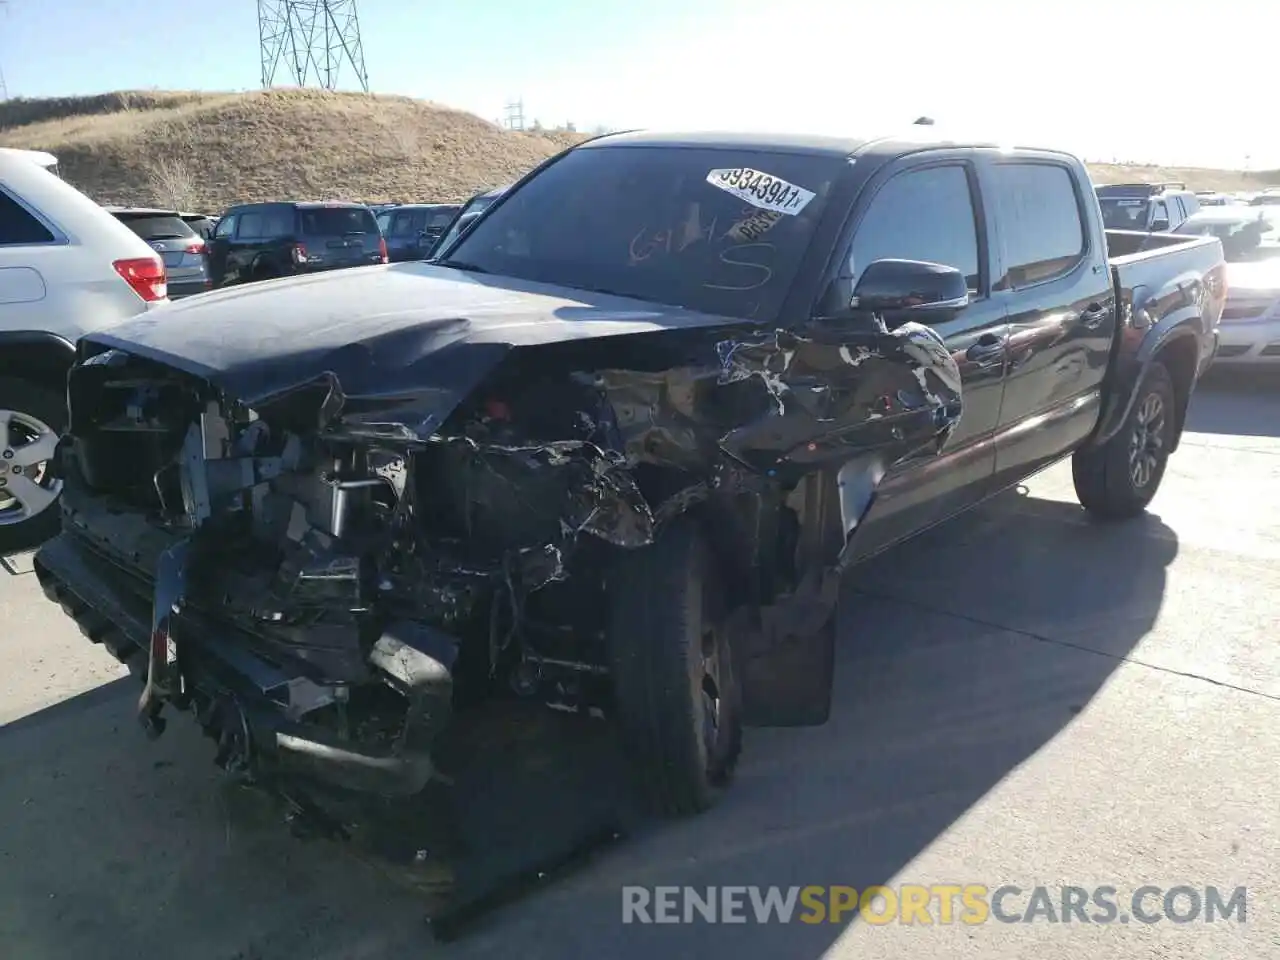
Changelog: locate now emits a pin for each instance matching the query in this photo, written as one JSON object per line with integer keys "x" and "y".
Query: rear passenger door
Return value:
{"x": 1053, "y": 280}
{"x": 929, "y": 208}
{"x": 27, "y": 250}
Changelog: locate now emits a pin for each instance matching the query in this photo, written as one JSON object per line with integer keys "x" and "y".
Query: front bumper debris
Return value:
{"x": 244, "y": 700}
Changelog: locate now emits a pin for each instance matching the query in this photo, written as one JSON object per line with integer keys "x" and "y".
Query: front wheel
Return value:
{"x": 1118, "y": 479}
{"x": 676, "y": 690}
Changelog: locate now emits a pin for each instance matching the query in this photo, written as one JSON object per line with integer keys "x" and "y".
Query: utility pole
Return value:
{"x": 314, "y": 38}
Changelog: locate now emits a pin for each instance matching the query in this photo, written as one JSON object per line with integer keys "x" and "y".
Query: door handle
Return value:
{"x": 1092, "y": 316}
{"x": 987, "y": 352}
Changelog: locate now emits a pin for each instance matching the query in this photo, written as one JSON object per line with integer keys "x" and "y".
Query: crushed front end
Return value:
{"x": 321, "y": 602}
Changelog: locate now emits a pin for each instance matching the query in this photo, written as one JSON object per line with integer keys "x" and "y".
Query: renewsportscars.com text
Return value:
{"x": 968, "y": 904}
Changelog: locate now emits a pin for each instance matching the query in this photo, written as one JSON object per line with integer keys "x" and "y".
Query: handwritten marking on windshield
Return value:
{"x": 728, "y": 257}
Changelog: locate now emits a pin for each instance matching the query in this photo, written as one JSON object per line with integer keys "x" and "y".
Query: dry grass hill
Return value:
{"x": 208, "y": 150}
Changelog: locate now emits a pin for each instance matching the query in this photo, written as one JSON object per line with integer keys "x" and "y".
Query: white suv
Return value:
{"x": 67, "y": 266}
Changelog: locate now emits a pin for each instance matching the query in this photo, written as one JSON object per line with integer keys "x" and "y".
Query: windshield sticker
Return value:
{"x": 753, "y": 226}
{"x": 1132, "y": 203}
{"x": 761, "y": 190}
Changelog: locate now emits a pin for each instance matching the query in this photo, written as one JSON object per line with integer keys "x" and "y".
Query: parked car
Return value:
{"x": 412, "y": 230}
{"x": 1268, "y": 198}
{"x": 467, "y": 216}
{"x": 170, "y": 234}
{"x": 202, "y": 223}
{"x": 259, "y": 241}
{"x": 1155, "y": 207}
{"x": 66, "y": 267}
{"x": 1251, "y": 318}
{"x": 614, "y": 452}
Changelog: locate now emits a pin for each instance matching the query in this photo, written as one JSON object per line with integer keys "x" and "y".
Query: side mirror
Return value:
{"x": 913, "y": 287}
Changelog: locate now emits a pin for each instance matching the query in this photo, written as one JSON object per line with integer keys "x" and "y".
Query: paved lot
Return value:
{"x": 1024, "y": 698}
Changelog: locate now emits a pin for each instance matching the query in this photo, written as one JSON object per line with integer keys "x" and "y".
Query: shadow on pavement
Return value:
{"x": 1238, "y": 402}
{"x": 962, "y": 654}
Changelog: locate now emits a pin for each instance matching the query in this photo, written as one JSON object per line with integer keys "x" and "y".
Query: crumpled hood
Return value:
{"x": 1260, "y": 275}
{"x": 418, "y": 335}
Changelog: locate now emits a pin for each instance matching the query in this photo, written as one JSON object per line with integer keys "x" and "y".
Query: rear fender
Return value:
{"x": 1174, "y": 341}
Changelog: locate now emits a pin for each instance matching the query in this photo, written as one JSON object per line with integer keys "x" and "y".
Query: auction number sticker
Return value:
{"x": 761, "y": 190}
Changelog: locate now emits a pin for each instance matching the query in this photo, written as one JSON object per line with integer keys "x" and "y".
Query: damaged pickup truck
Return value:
{"x": 612, "y": 451}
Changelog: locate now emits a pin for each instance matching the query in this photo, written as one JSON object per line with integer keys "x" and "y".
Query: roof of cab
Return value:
{"x": 907, "y": 140}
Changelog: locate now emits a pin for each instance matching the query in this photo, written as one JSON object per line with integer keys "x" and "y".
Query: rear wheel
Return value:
{"x": 677, "y": 695}
{"x": 32, "y": 418}
{"x": 1118, "y": 479}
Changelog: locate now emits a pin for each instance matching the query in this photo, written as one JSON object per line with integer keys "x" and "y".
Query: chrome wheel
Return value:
{"x": 27, "y": 488}
{"x": 1146, "y": 443}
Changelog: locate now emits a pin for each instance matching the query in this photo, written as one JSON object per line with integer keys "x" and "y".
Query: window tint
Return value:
{"x": 337, "y": 221}
{"x": 226, "y": 226}
{"x": 252, "y": 226}
{"x": 18, "y": 226}
{"x": 921, "y": 215}
{"x": 1039, "y": 221}
{"x": 157, "y": 228}
{"x": 442, "y": 218}
{"x": 402, "y": 224}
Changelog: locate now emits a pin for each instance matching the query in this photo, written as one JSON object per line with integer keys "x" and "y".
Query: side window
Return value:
{"x": 1039, "y": 214}
{"x": 226, "y": 226}
{"x": 251, "y": 226}
{"x": 402, "y": 224}
{"x": 18, "y": 227}
{"x": 921, "y": 215}
{"x": 1159, "y": 215}
{"x": 276, "y": 223}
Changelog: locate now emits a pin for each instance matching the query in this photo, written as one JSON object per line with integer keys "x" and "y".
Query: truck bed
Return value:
{"x": 1162, "y": 280}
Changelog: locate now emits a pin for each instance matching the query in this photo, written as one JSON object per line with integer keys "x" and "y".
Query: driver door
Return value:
{"x": 930, "y": 208}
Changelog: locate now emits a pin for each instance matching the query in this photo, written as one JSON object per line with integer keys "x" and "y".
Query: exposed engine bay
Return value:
{"x": 325, "y": 590}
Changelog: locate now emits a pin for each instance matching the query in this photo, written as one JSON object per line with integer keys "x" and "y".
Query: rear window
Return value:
{"x": 157, "y": 228}
{"x": 337, "y": 221}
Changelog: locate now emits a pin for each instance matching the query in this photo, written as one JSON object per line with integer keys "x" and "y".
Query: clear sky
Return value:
{"x": 1131, "y": 79}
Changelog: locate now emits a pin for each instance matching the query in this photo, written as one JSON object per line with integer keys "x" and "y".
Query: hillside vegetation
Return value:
{"x": 208, "y": 150}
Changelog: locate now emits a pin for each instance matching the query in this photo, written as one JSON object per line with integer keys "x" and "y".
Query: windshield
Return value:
{"x": 1124, "y": 213}
{"x": 1244, "y": 240}
{"x": 668, "y": 225}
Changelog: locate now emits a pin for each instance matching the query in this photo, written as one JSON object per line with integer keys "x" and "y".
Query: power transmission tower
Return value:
{"x": 313, "y": 38}
{"x": 515, "y": 115}
{"x": 4, "y": 91}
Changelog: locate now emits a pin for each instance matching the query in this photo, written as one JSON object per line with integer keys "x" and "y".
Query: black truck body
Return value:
{"x": 329, "y": 513}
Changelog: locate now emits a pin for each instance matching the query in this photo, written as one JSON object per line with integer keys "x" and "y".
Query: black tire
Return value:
{"x": 1109, "y": 483}
{"x": 36, "y": 401}
{"x": 666, "y": 607}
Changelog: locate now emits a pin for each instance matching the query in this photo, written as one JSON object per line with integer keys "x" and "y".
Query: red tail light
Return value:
{"x": 299, "y": 253}
{"x": 146, "y": 275}
{"x": 194, "y": 246}
{"x": 382, "y": 248}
